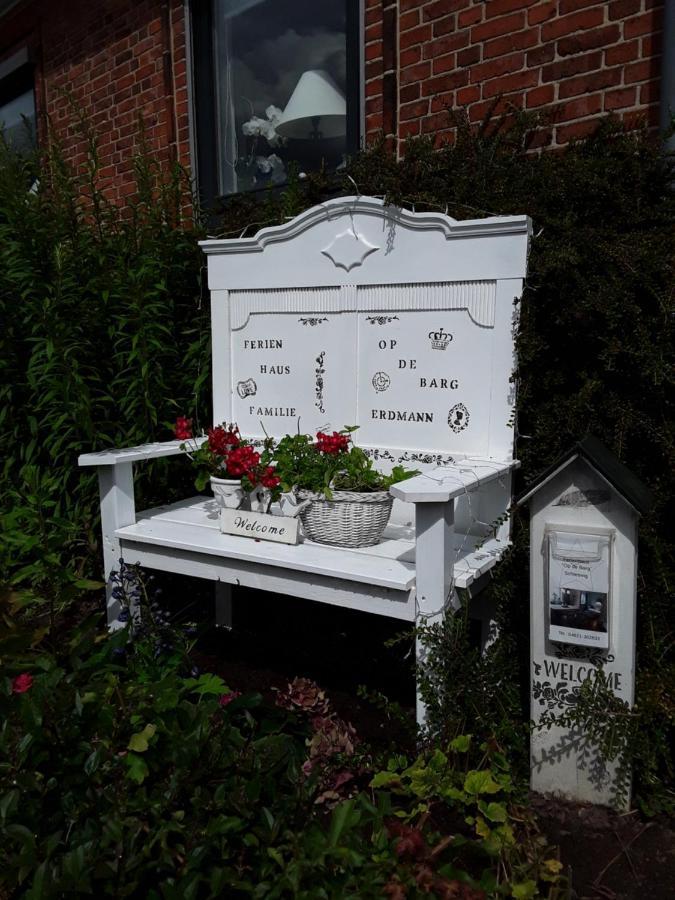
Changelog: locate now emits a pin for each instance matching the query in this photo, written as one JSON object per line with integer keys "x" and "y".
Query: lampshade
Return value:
{"x": 316, "y": 97}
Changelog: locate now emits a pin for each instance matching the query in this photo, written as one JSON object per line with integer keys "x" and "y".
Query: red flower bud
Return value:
{"x": 22, "y": 683}
{"x": 183, "y": 428}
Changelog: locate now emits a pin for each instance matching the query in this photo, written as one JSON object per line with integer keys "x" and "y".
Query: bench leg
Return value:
{"x": 222, "y": 597}
{"x": 116, "y": 487}
{"x": 434, "y": 524}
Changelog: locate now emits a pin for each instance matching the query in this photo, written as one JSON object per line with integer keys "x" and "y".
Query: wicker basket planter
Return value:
{"x": 349, "y": 519}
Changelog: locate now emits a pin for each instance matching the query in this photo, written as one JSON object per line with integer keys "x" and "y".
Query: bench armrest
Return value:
{"x": 135, "y": 454}
{"x": 447, "y": 482}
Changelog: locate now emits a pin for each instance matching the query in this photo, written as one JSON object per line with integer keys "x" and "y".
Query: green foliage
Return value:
{"x": 125, "y": 774}
{"x": 303, "y": 462}
{"x": 104, "y": 339}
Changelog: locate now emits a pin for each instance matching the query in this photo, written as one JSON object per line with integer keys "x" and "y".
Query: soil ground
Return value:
{"x": 607, "y": 856}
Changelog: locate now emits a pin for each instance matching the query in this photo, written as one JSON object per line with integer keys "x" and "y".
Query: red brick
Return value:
{"x": 446, "y": 44}
{"x": 515, "y": 81}
{"x": 639, "y": 71}
{"x": 624, "y": 52}
{"x": 589, "y": 40}
{"x": 558, "y": 70}
{"x": 495, "y": 27}
{"x": 585, "y": 84}
{"x": 410, "y": 92}
{"x": 568, "y": 6}
{"x": 540, "y": 96}
{"x": 647, "y": 23}
{"x": 478, "y": 111}
{"x": 445, "y": 63}
{"x": 444, "y": 25}
{"x": 408, "y": 20}
{"x": 566, "y": 133}
{"x": 650, "y": 92}
{"x": 518, "y": 41}
{"x": 373, "y": 32}
{"x": 540, "y": 55}
{"x": 374, "y": 105}
{"x": 468, "y": 94}
{"x": 410, "y": 56}
{"x": 373, "y": 87}
{"x": 441, "y": 8}
{"x": 415, "y": 73}
{"x": 374, "y": 69}
{"x": 623, "y": 97}
{"x": 542, "y": 12}
{"x": 409, "y": 129}
{"x": 495, "y": 67}
{"x": 579, "y": 109}
{"x": 444, "y": 83}
{"x": 414, "y": 36}
{"x": 440, "y": 102}
{"x": 581, "y": 21}
{"x": 469, "y": 56}
{"x": 620, "y": 9}
{"x": 374, "y": 51}
{"x": 435, "y": 122}
{"x": 413, "y": 110}
{"x": 541, "y": 138}
{"x": 500, "y": 7}
{"x": 374, "y": 15}
{"x": 470, "y": 16}
{"x": 651, "y": 45}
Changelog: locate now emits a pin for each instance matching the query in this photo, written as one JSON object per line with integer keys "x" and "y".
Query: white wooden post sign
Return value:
{"x": 583, "y": 572}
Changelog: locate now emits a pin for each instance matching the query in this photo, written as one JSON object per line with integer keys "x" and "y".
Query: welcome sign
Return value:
{"x": 259, "y": 526}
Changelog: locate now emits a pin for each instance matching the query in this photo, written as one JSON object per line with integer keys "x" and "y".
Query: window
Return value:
{"x": 276, "y": 84}
{"x": 17, "y": 102}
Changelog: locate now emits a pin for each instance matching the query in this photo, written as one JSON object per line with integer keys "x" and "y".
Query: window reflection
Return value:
{"x": 280, "y": 69}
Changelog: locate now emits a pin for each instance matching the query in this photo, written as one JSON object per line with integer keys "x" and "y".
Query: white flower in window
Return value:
{"x": 265, "y": 128}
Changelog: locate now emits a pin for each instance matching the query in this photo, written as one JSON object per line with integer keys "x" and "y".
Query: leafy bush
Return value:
{"x": 104, "y": 339}
{"x": 124, "y": 772}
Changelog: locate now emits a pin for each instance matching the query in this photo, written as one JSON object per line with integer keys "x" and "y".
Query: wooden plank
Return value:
{"x": 340, "y": 592}
{"x": 447, "y": 482}
{"x": 134, "y": 454}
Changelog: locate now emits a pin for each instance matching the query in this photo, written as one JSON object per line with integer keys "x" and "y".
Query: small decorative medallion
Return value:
{"x": 312, "y": 320}
{"x": 458, "y": 417}
{"x": 381, "y": 381}
{"x": 381, "y": 320}
{"x": 349, "y": 249}
{"x": 247, "y": 388}
{"x": 439, "y": 339}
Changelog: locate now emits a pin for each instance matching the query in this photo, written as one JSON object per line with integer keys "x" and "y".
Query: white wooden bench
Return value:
{"x": 354, "y": 313}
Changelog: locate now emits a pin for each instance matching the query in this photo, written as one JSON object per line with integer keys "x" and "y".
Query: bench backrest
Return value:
{"x": 357, "y": 313}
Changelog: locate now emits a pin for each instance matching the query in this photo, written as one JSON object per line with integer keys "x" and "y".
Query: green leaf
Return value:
{"x": 480, "y": 782}
{"x": 461, "y": 744}
{"x": 139, "y": 742}
{"x": 384, "y": 779}
{"x": 524, "y": 891}
{"x": 138, "y": 770}
{"x": 495, "y": 812}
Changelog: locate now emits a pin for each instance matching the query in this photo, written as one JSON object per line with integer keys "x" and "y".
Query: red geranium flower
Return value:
{"x": 183, "y": 428}
{"x": 22, "y": 683}
{"x": 241, "y": 460}
{"x": 222, "y": 441}
{"x": 332, "y": 444}
{"x": 226, "y": 699}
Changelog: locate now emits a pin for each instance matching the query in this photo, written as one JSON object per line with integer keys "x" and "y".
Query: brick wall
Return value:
{"x": 574, "y": 60}
{"x": 112, "y": 61}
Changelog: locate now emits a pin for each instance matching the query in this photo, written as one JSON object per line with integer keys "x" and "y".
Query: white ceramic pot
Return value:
{"x": 228, "y": 492}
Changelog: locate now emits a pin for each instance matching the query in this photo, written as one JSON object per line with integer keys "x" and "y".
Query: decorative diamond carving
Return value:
{"x": 349, "y": 249}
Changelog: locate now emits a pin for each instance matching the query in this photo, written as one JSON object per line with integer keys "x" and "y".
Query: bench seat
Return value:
{"x": 184, "y": 537}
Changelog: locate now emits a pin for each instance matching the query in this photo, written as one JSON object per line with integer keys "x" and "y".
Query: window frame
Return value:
{"x": 17, "y": 76}
{"x": 202, "y": 94}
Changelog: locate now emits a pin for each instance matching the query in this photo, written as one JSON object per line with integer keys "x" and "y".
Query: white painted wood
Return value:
{"x": 196, "y": 523}
{"x": 134, "y": 454}
{"x": 447, "y": 482}
{"x": 259, "y": 526}
{"x": 223, "y": 616}
{"x": 221, "y": 361}
{"x": 334, "y": 591}
{"x": 434, "y": 568}
{"x": 560, "y": 761}
{"x": 116, "y": 488}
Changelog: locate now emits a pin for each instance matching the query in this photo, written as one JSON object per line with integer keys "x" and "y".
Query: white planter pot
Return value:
{"x": 228, "y": 492}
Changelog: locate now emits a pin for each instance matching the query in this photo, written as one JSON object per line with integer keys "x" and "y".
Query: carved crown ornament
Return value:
{"x": 349, "y": 249}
